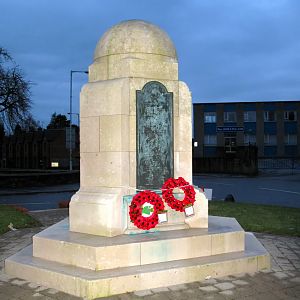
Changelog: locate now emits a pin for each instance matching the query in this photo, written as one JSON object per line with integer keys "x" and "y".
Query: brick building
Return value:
{"x": 274, "y": 127}
{"x": 39, "y": 149}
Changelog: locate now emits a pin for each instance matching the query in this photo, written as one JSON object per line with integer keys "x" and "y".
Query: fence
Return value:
{"x": 242, "y": 161}
{"x": 279, "y": 163}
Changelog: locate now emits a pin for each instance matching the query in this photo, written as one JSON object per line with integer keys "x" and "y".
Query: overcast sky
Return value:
{"x": 228, "y": 50}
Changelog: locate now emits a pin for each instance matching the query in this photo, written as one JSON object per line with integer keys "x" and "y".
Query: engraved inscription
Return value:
{"x": 154, "y": 136}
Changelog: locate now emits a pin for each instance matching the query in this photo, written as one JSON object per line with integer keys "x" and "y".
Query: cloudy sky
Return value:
{"x": 228, "y": 50}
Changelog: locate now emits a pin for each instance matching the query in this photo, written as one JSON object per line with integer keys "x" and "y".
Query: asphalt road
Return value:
{"x": 283, "y": 190}
{"x": 36, "y": 201}
{"x": 38, "y": 198}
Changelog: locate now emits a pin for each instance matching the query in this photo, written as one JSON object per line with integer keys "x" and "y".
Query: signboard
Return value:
{"x": 229, "y": 128}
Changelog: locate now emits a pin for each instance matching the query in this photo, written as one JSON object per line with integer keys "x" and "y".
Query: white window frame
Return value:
{"x": 290, "y": 139}
{"x": 287, "y": 115}
{"x": 267, "y": 114}
{"x": 210, "y": 117}
{"x": 227, "y": 115}
{"x": 210, "y": 140}
{"x": 270, "y": 139}
{"x": 249, "y": 139}
{"x": 250, "y": 113}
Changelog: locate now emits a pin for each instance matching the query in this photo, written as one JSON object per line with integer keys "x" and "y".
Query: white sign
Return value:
{"x": 162, "y": 217}
{"x": 208, "y": 193}
{"x": 189, "y": 211}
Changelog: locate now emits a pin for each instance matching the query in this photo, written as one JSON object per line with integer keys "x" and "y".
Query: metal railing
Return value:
{"x": 279, "y": 163}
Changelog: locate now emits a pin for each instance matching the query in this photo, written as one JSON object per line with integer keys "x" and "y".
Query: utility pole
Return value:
{"x": 71, "y": 113}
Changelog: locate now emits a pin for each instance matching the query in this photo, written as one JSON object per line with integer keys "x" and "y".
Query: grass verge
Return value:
{"x": 252, "y": 217}
{"x": 9, "y": 214}
{"x": 260, "y": 218}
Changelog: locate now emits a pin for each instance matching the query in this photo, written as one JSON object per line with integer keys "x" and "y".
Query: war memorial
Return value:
{"x": 137, "y": 222}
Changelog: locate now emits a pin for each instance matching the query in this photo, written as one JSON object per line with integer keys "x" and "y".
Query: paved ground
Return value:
{"x": 283, "y": 282}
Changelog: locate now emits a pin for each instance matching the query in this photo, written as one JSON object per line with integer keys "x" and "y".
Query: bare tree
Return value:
{"x": 15, "y": 100}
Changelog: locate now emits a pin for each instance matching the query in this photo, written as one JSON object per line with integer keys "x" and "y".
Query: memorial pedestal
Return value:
{"x": 91, "y": 266}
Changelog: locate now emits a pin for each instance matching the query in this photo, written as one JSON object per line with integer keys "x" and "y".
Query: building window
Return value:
{"x": 229, "y": 116}
{"x": 250, "y": 116}
{"x": 269, "y": 116}
{"x": 249, "y": 139}
{"x": 210, "y": 117}
{"x": 270, "y": 139}
{"x": 290, "y": 139}
{"x": 210, "y": 140}
{"x": 290, "y": 115}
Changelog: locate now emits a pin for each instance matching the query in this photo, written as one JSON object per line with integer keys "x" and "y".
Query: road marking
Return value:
{"x": 211, "y": 183}
{"x": 284, "y": 191}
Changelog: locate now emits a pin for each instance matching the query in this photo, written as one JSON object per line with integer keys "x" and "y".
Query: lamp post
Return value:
{"x": 71, "y": 113}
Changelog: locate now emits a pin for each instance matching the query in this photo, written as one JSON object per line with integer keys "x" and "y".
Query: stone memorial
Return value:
{"x": 136, "y": 133}
{"x": 136, "y": 128}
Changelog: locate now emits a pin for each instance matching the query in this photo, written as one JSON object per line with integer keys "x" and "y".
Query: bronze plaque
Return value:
{"x": 154, "y": 136}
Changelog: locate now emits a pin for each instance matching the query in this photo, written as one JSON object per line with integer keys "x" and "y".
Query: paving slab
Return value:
{"x": 224, "y": 286}
{"x": 209, "y": 288}
{"x": 143, "y": 293}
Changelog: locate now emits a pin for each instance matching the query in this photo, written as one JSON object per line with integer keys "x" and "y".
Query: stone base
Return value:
{"x": 104, "y": 212}
{"x": 71, "y": 262}
{"x": 99, "y": 212}
{"x": 176, "y": 219}
{"x": 58, "y": 244}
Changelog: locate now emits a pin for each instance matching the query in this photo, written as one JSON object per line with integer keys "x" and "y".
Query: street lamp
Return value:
{"x": 71, "y": 113}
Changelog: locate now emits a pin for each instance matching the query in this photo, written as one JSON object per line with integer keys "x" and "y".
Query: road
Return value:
{"x": 272, "y": 190}
{"x": 281, "y": 190}
{"x": 38, "y": 198}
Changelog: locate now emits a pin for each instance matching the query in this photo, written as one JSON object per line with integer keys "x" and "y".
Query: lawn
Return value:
{"x": 9, "y": 214}
{"x": 260, "y": 218}
{"x": 252, "y": 217}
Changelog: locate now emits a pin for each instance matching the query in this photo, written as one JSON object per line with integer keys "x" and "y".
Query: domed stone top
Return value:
{"x": 135, "y": 36}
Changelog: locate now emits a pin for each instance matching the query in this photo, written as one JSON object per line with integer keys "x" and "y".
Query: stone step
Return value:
{"x": 57, "y": 243}
{"x": 93, "y": 284}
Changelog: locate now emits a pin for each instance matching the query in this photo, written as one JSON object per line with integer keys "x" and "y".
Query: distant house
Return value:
{"x": 40, "y": 149}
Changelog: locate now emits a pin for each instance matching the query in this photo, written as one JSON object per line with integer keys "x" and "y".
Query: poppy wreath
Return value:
{"x": 135, "y": 209}
{"x": 168, "y": 196}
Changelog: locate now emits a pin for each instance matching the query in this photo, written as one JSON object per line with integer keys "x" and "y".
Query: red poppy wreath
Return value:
{"x": 144, "y": 208}
{"x": 168, "y": 196}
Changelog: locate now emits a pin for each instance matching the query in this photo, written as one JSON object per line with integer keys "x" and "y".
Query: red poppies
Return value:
{"x": 168, "y": 196}
{"x": 136, "y": 206}
{"x": 135, "y": 209}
